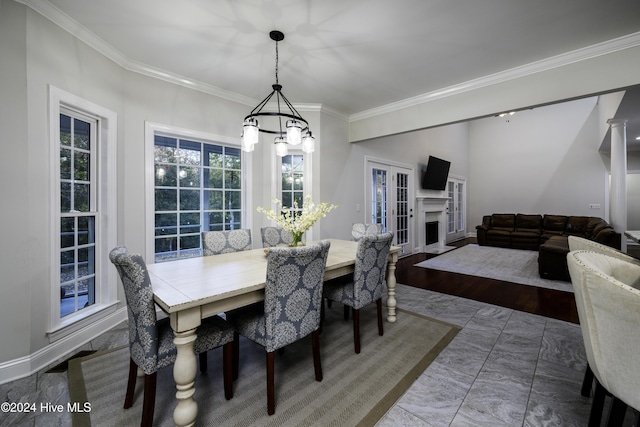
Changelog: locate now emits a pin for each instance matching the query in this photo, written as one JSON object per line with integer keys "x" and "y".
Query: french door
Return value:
{"x": 390, "y": 202}
{"x": 456, "y": 209}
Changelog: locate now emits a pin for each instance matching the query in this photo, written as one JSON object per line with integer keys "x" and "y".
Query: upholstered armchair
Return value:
{"x": 274, "y": 236}
{"x": 222, "y": 242}
{"x": 368, "y": 281}
{"x": 608, "y": 301}
{"x": 579, "y": 243}
{"x": 291, "y": 307}
{"x": 151, "y": 341}
{"x": 359, "y": 230}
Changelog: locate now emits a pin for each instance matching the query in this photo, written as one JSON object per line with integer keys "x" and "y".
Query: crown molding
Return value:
{"x": 323, "y": 109}
{"x": 312, "y": 108}
{"x": 590, "y": 52}
{"x": 74, "y": 28}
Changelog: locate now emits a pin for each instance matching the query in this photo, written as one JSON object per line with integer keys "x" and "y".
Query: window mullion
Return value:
{"x": 215, "y": 165}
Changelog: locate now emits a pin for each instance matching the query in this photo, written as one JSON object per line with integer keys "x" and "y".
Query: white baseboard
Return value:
{"x": 58, "y": 350}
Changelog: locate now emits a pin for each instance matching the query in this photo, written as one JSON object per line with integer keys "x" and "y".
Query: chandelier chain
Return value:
{"x": 277, "y": 62}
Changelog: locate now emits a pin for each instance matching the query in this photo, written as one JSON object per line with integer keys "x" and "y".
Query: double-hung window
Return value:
{"x": 197, "y": 186}
{"x": 292, "y": 180}
{"x": 83, "y": 188}
{"x": 78, "y": 211}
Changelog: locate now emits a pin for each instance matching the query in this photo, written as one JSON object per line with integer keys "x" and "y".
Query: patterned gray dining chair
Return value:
{"x": 151, "y": 344}
{"x": 359, "y": 230}
{"x": 222, "y": 242}
{"x": 368, "y": 281}
{"x": 274, "y": 236}
{"x": 291, "y": 307}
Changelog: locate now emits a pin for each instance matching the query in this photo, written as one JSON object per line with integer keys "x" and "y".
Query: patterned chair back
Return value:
{"x": 141, "y": 309}
{"x": 293, "y": 292}
{"x": 274, "y": 236}
{"x": 222, "y": 242}
{"x": 359, "y": 230}
{"x": 370, "y": 269}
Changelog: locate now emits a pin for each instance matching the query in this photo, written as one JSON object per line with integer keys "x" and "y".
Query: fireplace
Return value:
{"x": 431, "y": 230}
{"x": 432, "y": 219}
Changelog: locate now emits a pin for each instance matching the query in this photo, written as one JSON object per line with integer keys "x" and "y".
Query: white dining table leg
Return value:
{"x": 184, "y": 374}
{"x": 391, "y": 288}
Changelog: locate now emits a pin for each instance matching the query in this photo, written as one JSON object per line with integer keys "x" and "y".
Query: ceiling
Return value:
{"x": 349, "y": 55}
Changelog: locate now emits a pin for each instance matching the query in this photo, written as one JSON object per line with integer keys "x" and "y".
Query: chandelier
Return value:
{"x": 296, "y": 130}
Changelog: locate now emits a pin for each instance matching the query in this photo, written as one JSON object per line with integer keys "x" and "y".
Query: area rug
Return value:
{"x": 357, "y": 389}
{"x": 511, "y": 265}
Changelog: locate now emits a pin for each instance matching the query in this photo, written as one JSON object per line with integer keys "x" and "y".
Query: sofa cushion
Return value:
{"x": 557, "y": 244}
{"x": 498, "y": 232}
{"x": 598, "y": 228}
{"x": 503, "y": 221}
{"x": 554, "y": 223}
{"x": 604, "y": 235}
{"x": 525, "y": 239}
{"x": 594, "y": 225}
{"x": 528, "y": 222}
{"x": 577, "y": 225}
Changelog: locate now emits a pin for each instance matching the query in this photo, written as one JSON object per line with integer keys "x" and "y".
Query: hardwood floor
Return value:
{"x": 545, "y": 302}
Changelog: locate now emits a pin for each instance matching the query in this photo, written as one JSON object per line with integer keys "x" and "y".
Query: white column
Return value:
{"x": 618, "y": 193}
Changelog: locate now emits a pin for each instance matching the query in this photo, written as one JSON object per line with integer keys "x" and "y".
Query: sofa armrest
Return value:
{"x": 481, "y": 234}
{"x": 608, "y": 236}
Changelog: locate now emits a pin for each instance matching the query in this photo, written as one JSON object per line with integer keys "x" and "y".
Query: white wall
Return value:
{"x": 15, "y": 267}
{"x": 343, "y": 174}
{"x": 53, "y": 58}
{"x": 543, "y": 161}
{"x": 633, "y": 201}
{"x": 151, "y": 100}
{"x": 36, "y": 53}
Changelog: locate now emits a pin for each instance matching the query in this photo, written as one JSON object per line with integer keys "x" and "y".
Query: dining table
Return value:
{"x": 633, "y": 235}
{"x": 192, "y": 289}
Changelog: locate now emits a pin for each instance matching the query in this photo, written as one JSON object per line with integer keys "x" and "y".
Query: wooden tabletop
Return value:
{"x": 186, "y": 283}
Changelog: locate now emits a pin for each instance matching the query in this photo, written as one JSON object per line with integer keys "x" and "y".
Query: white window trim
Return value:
{"x": 150, "y": 129}
{"x": 106, "y": 219}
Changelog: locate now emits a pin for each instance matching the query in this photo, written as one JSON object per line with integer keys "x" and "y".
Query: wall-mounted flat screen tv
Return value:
{"x": 436, "y": 174}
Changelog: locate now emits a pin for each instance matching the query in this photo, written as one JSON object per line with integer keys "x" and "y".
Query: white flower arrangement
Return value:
{"x": 297, "y": 221}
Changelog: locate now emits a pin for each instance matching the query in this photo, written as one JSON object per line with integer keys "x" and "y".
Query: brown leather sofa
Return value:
{"x": 547, "y": 234}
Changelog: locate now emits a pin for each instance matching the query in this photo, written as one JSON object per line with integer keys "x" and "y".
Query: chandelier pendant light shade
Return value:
{"x": 296, "y": 129}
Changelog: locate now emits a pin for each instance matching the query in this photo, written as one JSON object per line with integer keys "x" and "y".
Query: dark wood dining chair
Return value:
{"x": 368, "y": 281}
{"x": 290, "y": 310}
{"x": 151, "y": 344}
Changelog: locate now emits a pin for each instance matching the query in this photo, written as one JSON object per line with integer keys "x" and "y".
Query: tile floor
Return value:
{"x": 504, "y": 368}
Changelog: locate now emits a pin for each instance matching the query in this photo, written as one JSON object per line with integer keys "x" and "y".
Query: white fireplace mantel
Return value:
{"x": 432, "y": 203}
{"x": 432, "y": 208}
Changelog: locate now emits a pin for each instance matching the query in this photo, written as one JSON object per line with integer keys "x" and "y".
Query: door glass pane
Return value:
{"x": 379, "y": 198}
{"x": 461, "y": 207}
{"x": 402, "y": 206}
{"x": 451, "y": 227}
